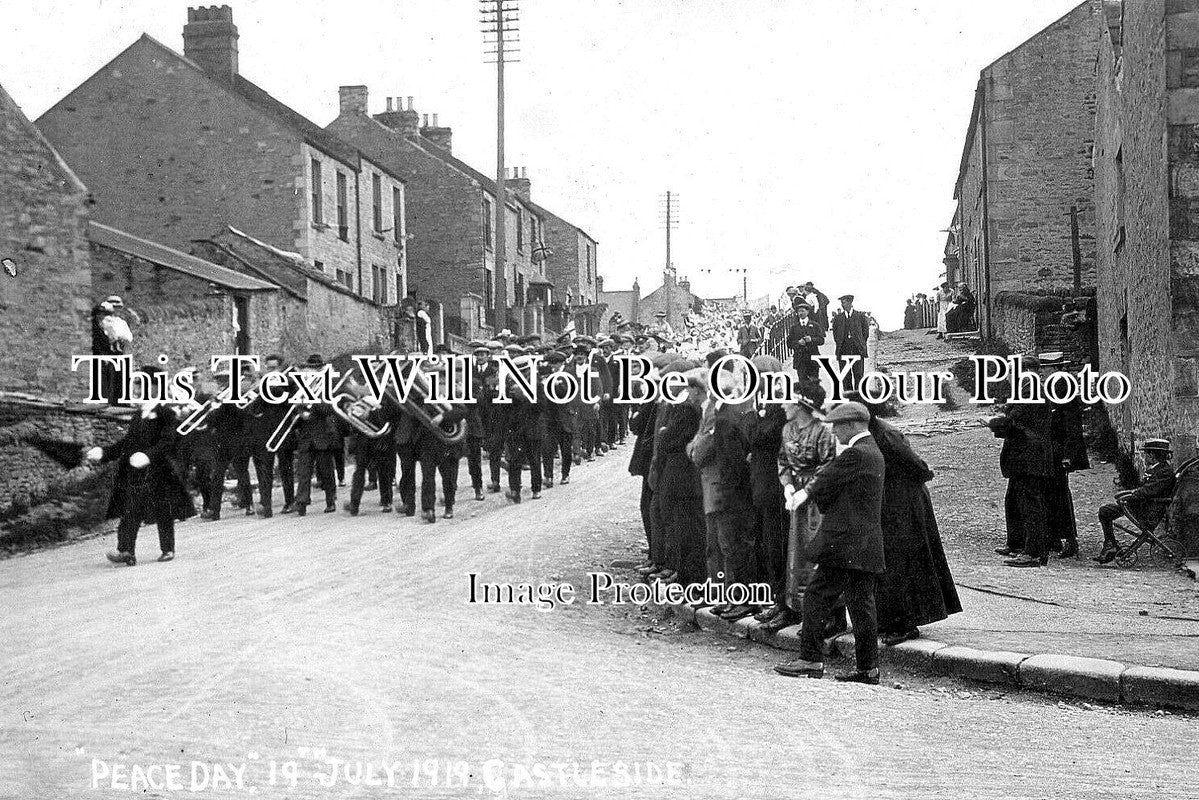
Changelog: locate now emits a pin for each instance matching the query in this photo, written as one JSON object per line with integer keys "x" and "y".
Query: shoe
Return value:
{"x": 892, "y": 639}
{"x": 769, "y": 612}
{"x": 1006, "y": 551}
{"x": 408, "y": 511}
{"x": 287, "y": 508}
{"x": 352, "y": 510}
{"x": 800, "y": 669}
{"x": 536, "y": 495}
{"x": 341, "y": 482}
{"x": 372, "y": 486}
{"x": 478, "y": 494}
{"x": 449, "y": 514}
{"x": 385, "y": 508}
{"x": 565, "y": 480}
{"x": 205, "y": 514}
{"x": 737, "y": 612}
{"x": 1107, "y": 554}
{"x": 429, "y": 516}
{"x": 301, "y": 510}
{"x": 666, "y": 576}
{"x": 117, "y": 557}
{"x": 859, "y": 677}
{"x": 493, "y": 488}
{"x": 330, "y": 508}
{"x": 1069, "y": 549}
{"x": 1024, "y": 561}
{"x": 779, "y": 621}
{"x": 548, "y": 483}
{"x": 512, "y": 495}
{"x": 167, "y": 557}
{"x": 265, "y": 512}
{"x": 648, "y": 569}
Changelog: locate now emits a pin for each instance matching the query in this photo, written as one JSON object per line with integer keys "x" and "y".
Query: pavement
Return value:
{"x": 344, "y": 651}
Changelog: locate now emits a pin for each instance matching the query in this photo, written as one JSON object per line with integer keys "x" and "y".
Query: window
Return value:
{"x": 399, "y": 286}
{"x": 1118, "y": 233}
{"x": 520, "y": 231}
{"x": 317, "y": 215}
{"x": 397, "y": 214}
{"x": 377, "y": 200}
{"x": 487, "y": 242}
{"x": 520, "y": 290}
{"x": 376, "y": 283}
{"x": 345, "y": 279}
{"x": 587, "y": 248}
{"x": 488, "y": 287}
{"x": 320, "y": 265}
{"x": 343, "y": 223}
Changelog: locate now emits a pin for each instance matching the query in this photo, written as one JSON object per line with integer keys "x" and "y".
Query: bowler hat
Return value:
{"x": 848, "y": 412}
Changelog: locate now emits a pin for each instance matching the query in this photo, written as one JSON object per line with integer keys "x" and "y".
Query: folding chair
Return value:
{"x": 1164, "y": 548}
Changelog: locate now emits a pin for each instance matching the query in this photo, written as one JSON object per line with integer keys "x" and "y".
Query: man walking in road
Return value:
{"x": 848, "y": 548}
{"x": 851, "y": 331}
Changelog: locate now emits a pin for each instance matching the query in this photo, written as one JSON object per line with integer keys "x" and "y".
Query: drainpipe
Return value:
{"x": 982, "y": 125}
{"x": 358, "y": 220}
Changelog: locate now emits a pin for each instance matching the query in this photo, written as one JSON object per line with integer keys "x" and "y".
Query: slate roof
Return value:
{"x": 174, "y": 259}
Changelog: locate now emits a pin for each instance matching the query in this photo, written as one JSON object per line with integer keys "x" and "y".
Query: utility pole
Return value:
{"x": 499, "y": 19}
{"x": 671, "y": 221}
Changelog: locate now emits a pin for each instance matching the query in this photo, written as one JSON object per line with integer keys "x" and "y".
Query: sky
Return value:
{"x": 804, "y": 140}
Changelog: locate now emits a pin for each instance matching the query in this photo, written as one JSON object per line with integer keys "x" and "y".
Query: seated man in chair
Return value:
{"x": 1148, "y": 502}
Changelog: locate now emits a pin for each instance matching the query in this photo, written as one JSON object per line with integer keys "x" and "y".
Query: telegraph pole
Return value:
{"x": 671, "y": 221}
{"x": 499, "y": 19}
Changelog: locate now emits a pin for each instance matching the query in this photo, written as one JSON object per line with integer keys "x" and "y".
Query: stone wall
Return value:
{"x": 1032, "y": 323}
{"x": 43, "y": 308}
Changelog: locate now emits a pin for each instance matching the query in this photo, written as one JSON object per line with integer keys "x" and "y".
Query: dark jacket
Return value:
{"x": 851, "y": 332}
{"x": 719, "y": 450}
{"x": 672, "y": 473}
{"x": 1150, "y": 500}
{"x": 1028, "y": 451}
{"x": 765, "y": 440}
{"x": 849, "y": 493}
{"x": 642, "y": 425}
{"x": 801, "y": 329}
{"x": 318, "y": 429}
{"x": 1066, "y": 433}
{"x": 157, "y": 488}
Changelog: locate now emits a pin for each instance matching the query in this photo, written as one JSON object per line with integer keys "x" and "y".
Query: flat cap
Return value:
{"x": 1158, "y": 445}
{"x": 555, "y": 357}
{"x": 848, "y": 412}
{"x": 494, "y": 344}
{"x": 846, "y": 297}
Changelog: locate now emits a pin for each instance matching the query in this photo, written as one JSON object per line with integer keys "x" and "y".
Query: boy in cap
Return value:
{"x": 1148, "y": 501}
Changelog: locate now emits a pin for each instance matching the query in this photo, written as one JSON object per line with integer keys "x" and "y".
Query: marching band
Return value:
{"x": 170, "y": 446}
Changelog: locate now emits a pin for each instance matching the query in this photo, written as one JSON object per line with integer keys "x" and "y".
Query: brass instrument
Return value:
{"x": 354, "y": 411}
{"x": 198, "y": 418}
{"x": 417, "y": 405}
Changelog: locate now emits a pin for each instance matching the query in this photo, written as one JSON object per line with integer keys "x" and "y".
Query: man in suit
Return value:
{"x": 804, "y": 340}
{"x": 851, "y": 330}
{"x": 1027, "y": 461}
{"x": 847, "y": 549}
{"x": 749, "y": 336}
{"x": 1148, "y": 501}
{"x": 317, "y": 437}
{"x": 476, "y": 430}
{"x": 562, "y": 422}
{"x": 1069, "y": 455}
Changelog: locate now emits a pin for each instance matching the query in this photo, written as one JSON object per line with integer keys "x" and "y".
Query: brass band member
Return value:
{"x": 317, "y": 437}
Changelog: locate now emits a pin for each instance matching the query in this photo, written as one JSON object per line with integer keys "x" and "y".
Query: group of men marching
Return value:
{"x": 158, "y": 465}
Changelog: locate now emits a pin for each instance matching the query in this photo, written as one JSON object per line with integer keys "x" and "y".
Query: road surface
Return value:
{"x": 298, "y": 641}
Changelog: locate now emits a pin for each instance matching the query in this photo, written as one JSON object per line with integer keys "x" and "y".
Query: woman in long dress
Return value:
{"x": 944, "y": 302}
{"x": 917, "y": 587}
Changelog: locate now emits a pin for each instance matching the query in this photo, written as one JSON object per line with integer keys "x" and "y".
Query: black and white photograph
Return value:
{"x": 732, "y": 399}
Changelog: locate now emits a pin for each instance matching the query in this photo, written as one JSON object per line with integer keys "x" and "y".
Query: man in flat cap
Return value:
{"x": 847, "y": 549}
{"x": 851, "y": 330}
{"x": 749, "y": 336}
{"x": 561, "y": 426}
{"x": 804, "y": 340}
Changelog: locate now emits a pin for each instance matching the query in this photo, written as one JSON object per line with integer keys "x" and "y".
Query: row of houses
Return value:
{"x": 232, "y": 223}
{"x": 1077, "y": 217}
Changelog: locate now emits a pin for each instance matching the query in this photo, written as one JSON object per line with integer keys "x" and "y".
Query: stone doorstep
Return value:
{"x": 1093, "y": 678}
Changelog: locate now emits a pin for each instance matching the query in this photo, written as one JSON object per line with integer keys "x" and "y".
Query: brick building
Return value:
{"x": 1026, "y": 161}
{"x": 451, "y": 216}
{"x": 1147, "y": 195}
{"x": 175, "y": 147}
{"x": 43, "y": 221}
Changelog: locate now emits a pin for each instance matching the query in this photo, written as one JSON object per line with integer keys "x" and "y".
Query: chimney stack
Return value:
{"x": 442, "y": 137}
{"x": 353, "y": 100}
{"x": 519, "y": 183}
{"x": 402, "y": 120}
{"x": 210, "y": 40}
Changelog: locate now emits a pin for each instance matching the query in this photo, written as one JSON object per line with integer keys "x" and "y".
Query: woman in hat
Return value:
{"x": 917, "y": 587}
{"x": 807, "y": 445}
{"x": 944, "y": 301}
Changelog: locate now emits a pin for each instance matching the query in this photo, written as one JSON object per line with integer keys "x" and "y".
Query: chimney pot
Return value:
{"x": 409, "y": 102}
{"x": 435, "y": 121}
{"x": 425, "y": 121}
{"x": 389, "y": 104}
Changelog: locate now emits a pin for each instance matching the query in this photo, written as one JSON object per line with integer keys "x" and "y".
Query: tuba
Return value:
{"x": 354, "y": 411}
{"x": 418, "y": 404}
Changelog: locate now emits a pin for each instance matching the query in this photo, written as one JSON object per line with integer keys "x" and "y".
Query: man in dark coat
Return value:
{"x": 643, "y": 425}
{"x": 804, "y": 340}
{"x": 1026, "y": 460}
{"x": 318, "y": 435}
{"x": 561, "y": 425}
{"x": 525, "y": 437}
{"x": 263, "y": 420}
{"x": 677, "y": 492}
{"x": 749, "y": 336}
{"x": 476, "y": 430}
{"x": 848, "y": 548}
{"x": 1069, "y": 454}
{"x": 148, "y": 487}
{"x": 851, "y": 331}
